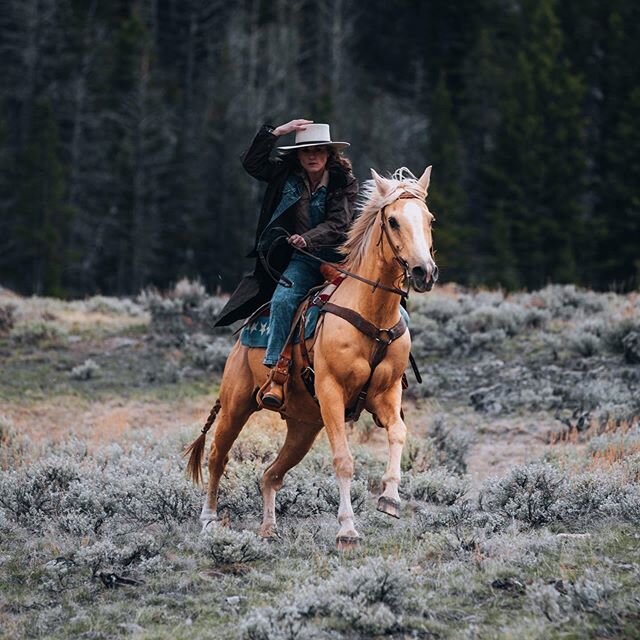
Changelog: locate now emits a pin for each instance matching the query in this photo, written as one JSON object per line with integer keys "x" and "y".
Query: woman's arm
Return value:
{"x": 257, "y": 160}
{"x": 339, "y": 215}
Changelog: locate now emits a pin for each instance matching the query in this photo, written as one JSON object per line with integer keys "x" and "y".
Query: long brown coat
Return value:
{"x": 257, "y": 287}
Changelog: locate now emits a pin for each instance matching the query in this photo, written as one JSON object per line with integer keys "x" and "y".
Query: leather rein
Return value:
{"x": 375, "y": 284}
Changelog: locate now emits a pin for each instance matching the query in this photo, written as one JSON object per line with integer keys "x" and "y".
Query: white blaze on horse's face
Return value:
{"x": 410, "y": 224}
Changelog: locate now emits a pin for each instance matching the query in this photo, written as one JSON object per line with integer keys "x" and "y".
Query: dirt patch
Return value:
{"x": 116, "y": 420}
{"x": 503, "y": 443}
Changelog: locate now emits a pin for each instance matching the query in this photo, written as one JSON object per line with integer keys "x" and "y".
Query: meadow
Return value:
{"x": 521, "y": 486}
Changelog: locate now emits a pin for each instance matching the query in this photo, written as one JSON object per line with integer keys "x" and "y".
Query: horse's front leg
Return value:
{"x": 387, "y": 409}
{"x": 330, "y": 396}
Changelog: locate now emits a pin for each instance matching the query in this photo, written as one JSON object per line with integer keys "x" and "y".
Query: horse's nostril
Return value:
{"x": 418, "y": 273}
{"x": 434, "y": 273}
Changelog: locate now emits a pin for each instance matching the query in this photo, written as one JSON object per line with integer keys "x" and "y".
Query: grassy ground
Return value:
{"x": 521, "y": 497}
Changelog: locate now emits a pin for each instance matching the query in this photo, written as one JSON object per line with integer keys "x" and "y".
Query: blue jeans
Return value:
{"x": 304, "y": 274}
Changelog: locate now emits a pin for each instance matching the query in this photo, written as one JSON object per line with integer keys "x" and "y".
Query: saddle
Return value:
{"x": 299, "y": 333}
{"x": 319, "y": 297}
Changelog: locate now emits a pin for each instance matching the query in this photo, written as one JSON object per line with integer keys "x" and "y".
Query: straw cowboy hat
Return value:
{"x": 314, "y": 135}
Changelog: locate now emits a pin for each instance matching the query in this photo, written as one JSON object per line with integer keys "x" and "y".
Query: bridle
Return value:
{"x": 384, "y": 231}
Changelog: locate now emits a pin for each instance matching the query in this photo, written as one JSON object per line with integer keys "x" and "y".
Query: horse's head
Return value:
{"x": 406, "y": 222}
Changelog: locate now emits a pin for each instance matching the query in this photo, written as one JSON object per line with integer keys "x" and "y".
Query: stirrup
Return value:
{"x": 278, "y": 376}
{"x": 273, "y": 397}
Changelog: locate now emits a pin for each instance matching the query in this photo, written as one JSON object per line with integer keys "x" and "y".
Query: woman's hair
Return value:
{"x": 338, "y": 161}
{"x": 335, "y": 160}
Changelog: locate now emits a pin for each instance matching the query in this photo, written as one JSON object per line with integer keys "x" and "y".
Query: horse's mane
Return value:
{"x": 370, "y": 202}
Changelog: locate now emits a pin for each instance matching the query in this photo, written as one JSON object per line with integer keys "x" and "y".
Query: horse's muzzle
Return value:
{"x": 423, "y": 279}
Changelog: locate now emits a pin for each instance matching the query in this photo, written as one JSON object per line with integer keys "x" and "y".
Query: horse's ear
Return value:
{"x": 383, "y": 185}
{"x": 425, "y": 178}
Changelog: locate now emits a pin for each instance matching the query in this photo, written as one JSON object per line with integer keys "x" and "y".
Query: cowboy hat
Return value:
{"x": 314, "y": 135}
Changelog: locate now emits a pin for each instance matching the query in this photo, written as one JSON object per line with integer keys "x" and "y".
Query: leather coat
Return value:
{"x": 257, "y": 287}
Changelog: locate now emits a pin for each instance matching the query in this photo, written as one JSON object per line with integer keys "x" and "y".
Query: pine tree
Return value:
{"x": 480, "y": 116}
{"x": 617, "y": 217}
{"x": 537, "y": 177}
{"x": 446, "y": 195}
{"x": 43, "y": 218}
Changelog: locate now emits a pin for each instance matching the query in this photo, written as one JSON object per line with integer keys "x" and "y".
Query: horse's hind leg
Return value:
{"x": 238, "y": 403}
{"x": 229, "y": 425}
{"x": 300, "y": 437}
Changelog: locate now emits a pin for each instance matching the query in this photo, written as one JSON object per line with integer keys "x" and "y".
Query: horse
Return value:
{"x": 389, "y": 243}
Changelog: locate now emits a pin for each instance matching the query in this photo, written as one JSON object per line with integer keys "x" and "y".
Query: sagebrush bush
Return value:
{"x": 184, "y": 310}
{"x": 618, "y": 330}
{"x": 120, "y": 553}
{"x": 239, "y": 491}
{"x": 511, "y": 548}
{"x": 507, "y": 317}
{"x": 88, "y": 496}
{"x": 35, "y": 333}
{"x": 14, "y": 446}
{"x": 7, "y": 318}
{"x": 418, "y": 455}
{"x": 631, "y": 347}
{"x": 563, "y": 301}
{"x": 227, "y": 546}
{"x": 109, "y": 305}
{"x": 584, "y": 343}
{"x": 191, "y": 293}
{"x": 438, "y": 308}
{"x": 166, "y": 314}
{"x": 539, "y": 494}
{"x": 527, "y": 493}
{"x": 209, "y": 353}
{"x": 616, "y": 444}
{"x": 461, "y": 519}
{"x": 308, "y": 489}
{"x": 367, "y": 601}
{"x": 600, "y": 494}
{"x": 631, "y": 467}
{"x": 450, "y": 446}
{"x": 486, "y": 340}
{"x": 436, "y": 485}
{"x": 88, "y": 370}
{"x": 560, "y": 600}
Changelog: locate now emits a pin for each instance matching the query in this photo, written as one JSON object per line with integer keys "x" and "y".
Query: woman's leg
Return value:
{"x": 284, "y": 303}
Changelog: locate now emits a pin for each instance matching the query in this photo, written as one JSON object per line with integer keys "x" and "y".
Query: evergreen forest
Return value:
{"x": 122, "y": 124}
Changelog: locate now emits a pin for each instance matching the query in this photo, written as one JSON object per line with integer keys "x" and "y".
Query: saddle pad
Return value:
{"x": 255, "y": 335}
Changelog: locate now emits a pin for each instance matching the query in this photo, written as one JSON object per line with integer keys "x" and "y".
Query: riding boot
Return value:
{"x": 272, "y": 396}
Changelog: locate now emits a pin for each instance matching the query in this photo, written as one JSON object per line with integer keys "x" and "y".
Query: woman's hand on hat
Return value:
{"x": 294, "y": 125}
{"x": 297, "y": 241}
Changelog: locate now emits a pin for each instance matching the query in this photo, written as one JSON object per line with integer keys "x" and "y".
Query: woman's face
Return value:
{"x": 313, "y": 159}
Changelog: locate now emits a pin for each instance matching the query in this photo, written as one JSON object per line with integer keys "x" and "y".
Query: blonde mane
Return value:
{"x": 370, "y": 203}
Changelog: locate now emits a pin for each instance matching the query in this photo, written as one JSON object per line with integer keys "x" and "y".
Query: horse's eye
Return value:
{"x": 393, "y": 223}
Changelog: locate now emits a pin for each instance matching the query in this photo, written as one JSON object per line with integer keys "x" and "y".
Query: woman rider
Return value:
{"x": 311, "y": 192}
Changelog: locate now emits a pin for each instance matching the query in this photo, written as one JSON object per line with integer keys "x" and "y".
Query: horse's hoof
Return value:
{"x": 347, "y": 543}
{"x": 207, "y": 526}
{"x": 389, "y": 506}
{"x": 270, "y": 534}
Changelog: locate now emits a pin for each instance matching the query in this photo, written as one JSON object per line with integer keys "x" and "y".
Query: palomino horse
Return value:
{"x": 390, "y": 243}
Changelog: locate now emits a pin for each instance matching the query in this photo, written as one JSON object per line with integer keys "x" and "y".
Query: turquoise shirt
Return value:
{"x": 291, "y": 195}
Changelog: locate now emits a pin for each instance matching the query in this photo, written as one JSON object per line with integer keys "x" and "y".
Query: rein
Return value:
{"x": 384, "y": 231}
{"x": 375, "y": 284}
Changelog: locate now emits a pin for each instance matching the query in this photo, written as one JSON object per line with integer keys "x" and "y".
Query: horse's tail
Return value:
{"x": 196, "y": 448}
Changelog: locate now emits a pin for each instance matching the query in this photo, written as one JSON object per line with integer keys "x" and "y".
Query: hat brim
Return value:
{"x": 337, "y": 145}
